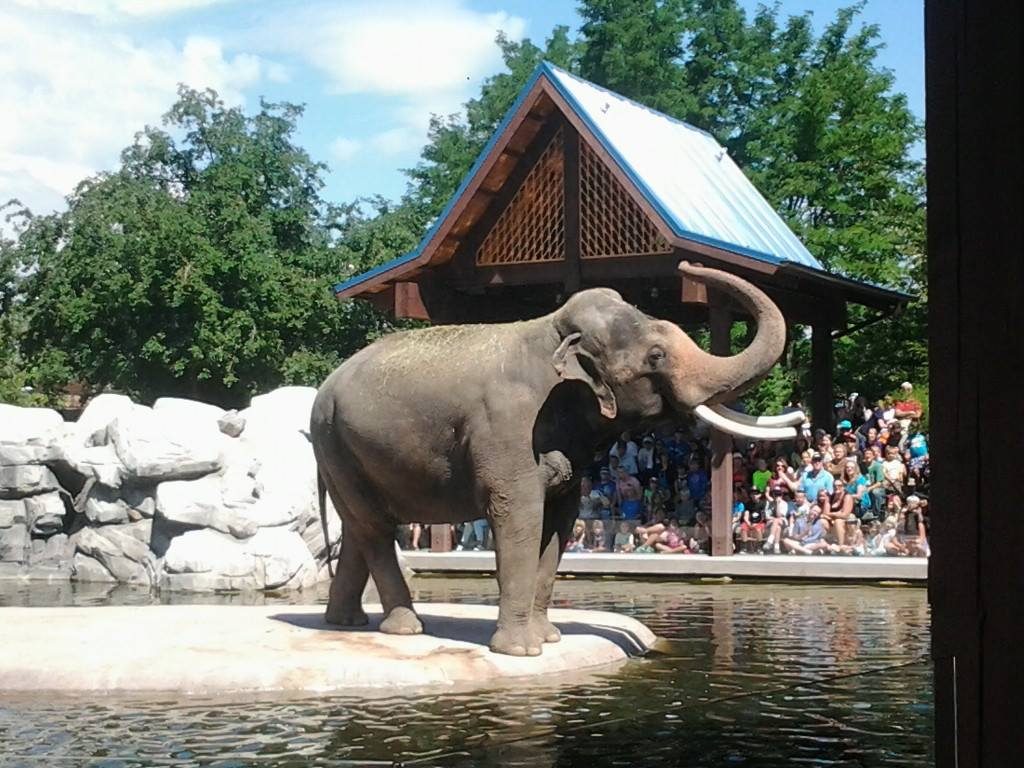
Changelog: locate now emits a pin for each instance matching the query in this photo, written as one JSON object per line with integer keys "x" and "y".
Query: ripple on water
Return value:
{"x": 762, "y": 675}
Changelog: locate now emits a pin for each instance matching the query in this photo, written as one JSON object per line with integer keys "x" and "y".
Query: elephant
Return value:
{"x": 446, "y": 423}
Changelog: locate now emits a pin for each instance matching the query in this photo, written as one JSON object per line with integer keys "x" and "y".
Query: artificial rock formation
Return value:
{"x": 183, "y": 495}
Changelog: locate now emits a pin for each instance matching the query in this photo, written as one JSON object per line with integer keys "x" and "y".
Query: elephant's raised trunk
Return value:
{"x": 705, "y": 379}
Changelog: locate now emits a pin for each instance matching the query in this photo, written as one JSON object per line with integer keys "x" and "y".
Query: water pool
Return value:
{"x": 748, "y": 675}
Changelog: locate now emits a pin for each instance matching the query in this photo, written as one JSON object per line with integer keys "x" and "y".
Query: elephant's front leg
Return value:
{"x": 559, "y": 516}
{"x": 517, "y": 518}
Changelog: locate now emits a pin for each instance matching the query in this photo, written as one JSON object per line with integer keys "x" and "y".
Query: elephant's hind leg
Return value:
{"x": 344, "y": 605}
{"x": 399, "y": 616}
{"x": 345, "y": 602}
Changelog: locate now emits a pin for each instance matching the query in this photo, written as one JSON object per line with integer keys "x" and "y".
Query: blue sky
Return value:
{"x": 79, "y": 77}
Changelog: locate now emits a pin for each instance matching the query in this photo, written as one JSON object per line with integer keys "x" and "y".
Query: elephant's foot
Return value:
{"x": 346, "y": 617}
{"x": 543, "y": 630}
{"x": 516, "y": 641}
{"x": 402, "y": 621}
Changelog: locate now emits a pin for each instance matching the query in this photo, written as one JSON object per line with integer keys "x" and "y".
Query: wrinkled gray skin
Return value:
{"x": 447, "y": 423}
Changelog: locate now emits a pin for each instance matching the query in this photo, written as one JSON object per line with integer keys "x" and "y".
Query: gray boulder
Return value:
{"x": 26, "y": 480}
{"x": 188, "y": 410}
{"x": 15, "y": 544}
{"x": 87, "y": 569}
{"x": 56, "y": 549}
{"x": 206, "y": 560}
{"x": 91, "y": 427}
{"x": 200, "y": 503}
{"x": 28, "y": 435}
{"x": 104, "y": 506}
{"x": 231, "y": 423}
{"x": 98, "y": 462}
{"x": 166, "y": 445}
{"x": 121, "y": 553}
{"x": 45, "y": 514}
{"x": 12, "y": 512}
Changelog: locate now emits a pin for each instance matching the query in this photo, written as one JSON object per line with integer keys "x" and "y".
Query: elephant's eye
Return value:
{"x": 655, "y": 356}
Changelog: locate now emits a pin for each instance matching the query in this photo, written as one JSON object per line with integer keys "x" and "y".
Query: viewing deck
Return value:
{"x": 763, "y": 567}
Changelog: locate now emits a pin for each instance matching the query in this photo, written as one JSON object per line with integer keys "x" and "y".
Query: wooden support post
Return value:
{"x": 975, "y": 139}
{"x": 409, "y": 302}
{"x": 571, "y": 200}
{"x": 821, "y": 377}
{"x": 441, "y": 537}
{"x": 720, "y": 320}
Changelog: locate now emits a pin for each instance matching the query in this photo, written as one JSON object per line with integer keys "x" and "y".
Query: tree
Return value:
{"x": 199, "y": 268}
{"x": 812, "y": 120}
{"x": 454, "y": 141}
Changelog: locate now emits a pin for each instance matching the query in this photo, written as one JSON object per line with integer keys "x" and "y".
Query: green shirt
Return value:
{"x": 875, "y": 474}
{"x": 761, "y": 478}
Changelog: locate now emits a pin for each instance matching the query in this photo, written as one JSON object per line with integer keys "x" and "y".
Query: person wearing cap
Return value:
{"x": 753, "y": 522}
{"x": 605, "y": 485}
{"x": 818, "y": 478}
{"x": 645, "y": 460}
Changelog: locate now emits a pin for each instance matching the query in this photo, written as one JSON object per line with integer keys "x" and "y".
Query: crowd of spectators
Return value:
{"x": 860, "y": 491}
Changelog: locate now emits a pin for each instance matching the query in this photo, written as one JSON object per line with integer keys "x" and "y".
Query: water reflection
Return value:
{"x": 758, "y": 675}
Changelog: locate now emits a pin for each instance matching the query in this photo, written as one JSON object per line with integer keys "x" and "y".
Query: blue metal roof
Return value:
{"x": 685, "y": 174}
{"x": 682, "y": 171}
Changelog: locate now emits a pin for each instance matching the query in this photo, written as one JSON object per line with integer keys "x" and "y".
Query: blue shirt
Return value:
{"x": 815, "y": 533}
{"x": 811, "y": 483}
{"x": 855, "y": 485}
{"x": 697, "y": 482}
{"x": 918, "y": 446}
{"x": 678, "y": 453}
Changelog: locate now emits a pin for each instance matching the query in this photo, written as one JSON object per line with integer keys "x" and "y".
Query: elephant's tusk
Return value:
{"x": 782, "y": 420}
{"x": 739, "y": 429}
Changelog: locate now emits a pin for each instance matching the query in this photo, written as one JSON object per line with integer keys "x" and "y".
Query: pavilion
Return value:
{"x": 580, "y": 187}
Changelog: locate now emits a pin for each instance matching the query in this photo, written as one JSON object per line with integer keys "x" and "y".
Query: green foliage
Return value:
{"x": 453, "y": 141}
{"x": 200, "y": 268}
{"x": 812, "y": 119}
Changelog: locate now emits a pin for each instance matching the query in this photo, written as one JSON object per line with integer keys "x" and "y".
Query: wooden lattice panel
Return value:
{"x": 611, "y": 224}
{"x": 531, "y": 229}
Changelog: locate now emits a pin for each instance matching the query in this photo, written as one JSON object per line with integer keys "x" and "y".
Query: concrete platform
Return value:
{"x": 217, "y": 649}
{"x": 767, "y": 567}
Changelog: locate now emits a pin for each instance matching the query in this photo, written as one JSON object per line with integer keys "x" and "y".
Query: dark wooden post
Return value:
{"x": 441, "y": 537}
{"x": 571, "y": 200}
{"x": 821, "y": 377}
{"x": 975, "y": 77}
{"x": 720, "y": 320}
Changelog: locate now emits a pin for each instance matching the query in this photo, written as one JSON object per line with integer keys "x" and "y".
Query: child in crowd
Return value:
{"x": 597, "y": 541}
{"x": 624, "y": 538}
{"x": 578, "y": 541}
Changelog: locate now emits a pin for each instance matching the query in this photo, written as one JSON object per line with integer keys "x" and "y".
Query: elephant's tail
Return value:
{"x": 321, "y": 492}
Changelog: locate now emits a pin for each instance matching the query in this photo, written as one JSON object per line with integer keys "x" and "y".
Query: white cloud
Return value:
{"x": 398, "y": 47}
{"x": 427, "y": 58}
{"x": 74, "y": 95}
{"x": 344, "y": 149}
{"x": 110, "y": 9}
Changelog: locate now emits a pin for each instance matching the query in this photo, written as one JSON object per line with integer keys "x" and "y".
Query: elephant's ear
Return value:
{"x": 573, "y": 362}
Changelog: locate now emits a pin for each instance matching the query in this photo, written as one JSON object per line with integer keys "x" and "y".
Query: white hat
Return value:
{"x": 906, "y": 385}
